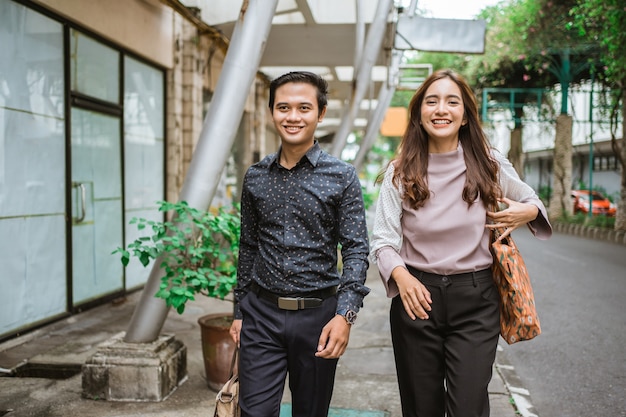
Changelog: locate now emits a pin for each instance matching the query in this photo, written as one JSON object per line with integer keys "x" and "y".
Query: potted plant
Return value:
{"x": 198, "y": 251}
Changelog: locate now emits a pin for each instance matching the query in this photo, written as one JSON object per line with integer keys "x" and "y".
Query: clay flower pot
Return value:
{"x": 217, "y": 348}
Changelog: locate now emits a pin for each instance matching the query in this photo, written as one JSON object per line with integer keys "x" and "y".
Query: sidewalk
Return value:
{"x": 365, "y": 376}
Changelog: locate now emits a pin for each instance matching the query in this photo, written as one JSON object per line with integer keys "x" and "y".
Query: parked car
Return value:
{"x": 599, "y": 204}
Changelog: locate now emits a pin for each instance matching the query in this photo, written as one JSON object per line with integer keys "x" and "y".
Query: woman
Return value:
{"x": 431, "y": 245}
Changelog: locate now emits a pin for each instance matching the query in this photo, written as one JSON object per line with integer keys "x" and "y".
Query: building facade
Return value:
{"x": 101, "y": 105}
{"x": 594, "y": 165}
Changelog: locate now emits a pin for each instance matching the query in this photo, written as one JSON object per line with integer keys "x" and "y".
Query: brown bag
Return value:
{"x": 227, "y": 400}
{"x": 518, "y": 316}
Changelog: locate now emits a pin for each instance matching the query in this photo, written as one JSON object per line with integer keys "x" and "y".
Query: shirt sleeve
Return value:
{"x": 248, "y": 248}
{"x": 354, "y": 246}
{"x": 387, "y": 232}
{"x": 516, "y": 189}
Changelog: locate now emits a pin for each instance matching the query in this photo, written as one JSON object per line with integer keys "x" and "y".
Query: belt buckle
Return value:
{"x": 289, "y": 303}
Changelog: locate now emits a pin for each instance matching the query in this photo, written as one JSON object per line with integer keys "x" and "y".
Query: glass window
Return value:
{"x": 96, "y": 166}
{"x": 94, "y": 68}
{"x": 143, "y": 151}
{"x": 32, "y": 173}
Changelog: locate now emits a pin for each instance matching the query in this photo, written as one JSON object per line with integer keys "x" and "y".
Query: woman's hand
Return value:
{"x": 515, "y": 215}
{"x": 414, "y": 295}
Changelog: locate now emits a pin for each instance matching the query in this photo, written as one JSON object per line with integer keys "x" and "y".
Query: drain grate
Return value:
{"x": 46, "y": 370}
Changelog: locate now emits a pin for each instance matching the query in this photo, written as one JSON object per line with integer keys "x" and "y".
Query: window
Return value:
{"x": 605, "y": 163}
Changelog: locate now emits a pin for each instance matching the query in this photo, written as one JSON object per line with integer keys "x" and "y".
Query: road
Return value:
{"x": 577, "y": 366}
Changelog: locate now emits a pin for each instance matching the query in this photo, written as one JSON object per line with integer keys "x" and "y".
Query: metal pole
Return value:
{"x": 359, "y": 42}
{"x": 375, "y": 36}
{"x": 360, "y": 36}
{"x": 412, "y": 8}
{"x": 565, "y": 79}
{"x": 590, "y": 214}
{"x": 214, "y": 145}
{"x": 384, "y": 98}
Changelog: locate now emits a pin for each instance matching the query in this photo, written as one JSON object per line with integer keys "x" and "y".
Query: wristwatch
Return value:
{"x": 349, "y": 315}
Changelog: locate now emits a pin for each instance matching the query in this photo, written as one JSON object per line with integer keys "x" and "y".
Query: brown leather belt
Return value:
{"x": 309, "y": 300}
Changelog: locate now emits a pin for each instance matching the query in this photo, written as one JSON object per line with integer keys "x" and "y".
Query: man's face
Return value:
{"x": 296, "y": 113}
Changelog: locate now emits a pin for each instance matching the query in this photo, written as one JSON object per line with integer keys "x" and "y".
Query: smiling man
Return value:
{"x": 293, "y": 309}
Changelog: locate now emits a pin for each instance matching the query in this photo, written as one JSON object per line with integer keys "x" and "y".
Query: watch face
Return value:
{"x": 350, "y": 316}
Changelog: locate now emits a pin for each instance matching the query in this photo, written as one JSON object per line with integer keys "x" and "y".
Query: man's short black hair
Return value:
{"x": 301, "y": 77}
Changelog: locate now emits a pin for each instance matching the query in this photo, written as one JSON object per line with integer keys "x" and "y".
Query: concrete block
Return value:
{"x": 135, "y": 372}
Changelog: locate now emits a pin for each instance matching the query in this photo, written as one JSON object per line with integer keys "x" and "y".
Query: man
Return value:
{"x": 293, "y": 310}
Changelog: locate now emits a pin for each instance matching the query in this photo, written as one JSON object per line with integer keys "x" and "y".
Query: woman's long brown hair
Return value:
{"x": 411, "y": 163}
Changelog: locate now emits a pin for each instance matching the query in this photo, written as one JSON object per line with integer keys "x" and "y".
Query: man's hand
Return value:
{"x": 235, "y": 330}
{"x": 334, "y": 338}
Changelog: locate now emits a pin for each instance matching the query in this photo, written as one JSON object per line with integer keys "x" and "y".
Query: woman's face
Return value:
{"x": 442, "y": 114}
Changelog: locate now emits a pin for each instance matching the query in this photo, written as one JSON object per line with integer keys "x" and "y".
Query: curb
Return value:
{"x": 520, "y": 396}
{"x": 596, "y": 233}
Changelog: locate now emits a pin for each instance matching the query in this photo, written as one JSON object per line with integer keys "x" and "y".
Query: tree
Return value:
{"x": 543, "y": 43}
{"x": 536, "y": 46}
{"x": 603, "y": 23}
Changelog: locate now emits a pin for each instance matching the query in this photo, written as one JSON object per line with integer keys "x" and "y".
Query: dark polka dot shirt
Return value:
{"x": 292, "y": 222}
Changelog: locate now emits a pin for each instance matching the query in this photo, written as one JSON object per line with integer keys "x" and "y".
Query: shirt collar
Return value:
{"x": 312, "y": 155}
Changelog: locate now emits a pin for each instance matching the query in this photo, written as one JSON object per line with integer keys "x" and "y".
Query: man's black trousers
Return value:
{"x": 275, "y": 342}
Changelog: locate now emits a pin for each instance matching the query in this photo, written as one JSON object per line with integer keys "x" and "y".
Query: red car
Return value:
{"x": 599, "y": 205}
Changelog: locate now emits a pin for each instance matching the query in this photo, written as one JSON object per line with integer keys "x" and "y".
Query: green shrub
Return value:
{"x": 198, "y": 251}
{"x": 584, "y": 219}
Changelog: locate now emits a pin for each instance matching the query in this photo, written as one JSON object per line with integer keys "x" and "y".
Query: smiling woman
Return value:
{"x": 430, "y": 242}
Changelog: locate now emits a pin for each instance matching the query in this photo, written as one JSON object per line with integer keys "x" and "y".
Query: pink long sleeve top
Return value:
{"x": 445, "y": 236}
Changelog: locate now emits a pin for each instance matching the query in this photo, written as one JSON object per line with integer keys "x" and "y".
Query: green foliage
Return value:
{"x": 603, "y": 23}
{"x": 601, "y": 221}
{"x": 544, "y": 194}
{"x": 197, "y": 250}
{"x": 441, "y": 60}
{"x": 369, "y": 198}
{"x": 582, "y": 185}
{"x": 402, "y": 98}
{"x": 594, "y": 221}
{"x": 526, "y": 41}
{"x": 523, "y": 46}
{"x": 541, "y": 43}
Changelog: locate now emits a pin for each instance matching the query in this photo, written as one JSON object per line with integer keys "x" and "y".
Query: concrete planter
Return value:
{"x": 135, "y": 372}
